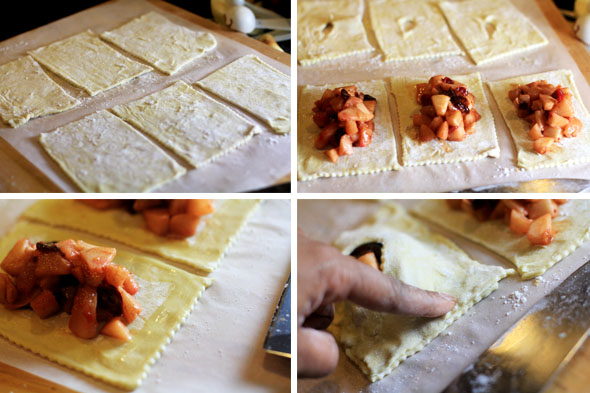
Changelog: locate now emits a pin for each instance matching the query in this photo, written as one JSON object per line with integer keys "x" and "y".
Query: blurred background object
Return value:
{"x": 23, "y": 19}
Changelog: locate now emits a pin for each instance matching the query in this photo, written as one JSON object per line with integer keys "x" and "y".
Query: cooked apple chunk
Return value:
{"x": 530, "y": 217}
{"x": 345, "y": 117}
{"x": 70, "y": 276}
{"x": 175, "y": 218}
{"x": 549, "y": 111}
{"x": 447, "y": 111}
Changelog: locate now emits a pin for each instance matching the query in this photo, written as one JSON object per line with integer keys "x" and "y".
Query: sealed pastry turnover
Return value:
{"x": 27, "y": 92}
{"x": 163, "y": 44}
{"x": 493, "y": 29}
{"x": 380, "y": 155}
{"x": 89, "y": 63}
{"x": 482, "y": 143}
{"x": 188, "y": 122}
{"x": 568, "y": 151}
{"x": 378, "y": 342}
{"x": 329, "y": 30}
{"x": 571, "y": 228}
{"x": 102, "y": 153}
{"x": 411, "y": 30}
{"x": 165, "y": 306}
{"x": 201, "y": 252}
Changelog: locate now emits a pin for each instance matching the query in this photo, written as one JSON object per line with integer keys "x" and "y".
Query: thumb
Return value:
{"x": 317, "y": 353}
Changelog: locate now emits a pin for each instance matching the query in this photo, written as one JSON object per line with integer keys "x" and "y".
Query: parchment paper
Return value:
{"x": 443, "y": 178}
{"x": 259, "y": 163}
{"x": 219, "y": 348}
{"x": 432, "y": 369}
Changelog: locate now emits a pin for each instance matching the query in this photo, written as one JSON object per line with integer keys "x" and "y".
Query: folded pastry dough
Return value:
{"x": 571, "y": 228}
{"x": 379, "y": 156}
{"x": 102, "y": 153}
{"x": 378, "y": 342}
{"x": 201, "y": 252}
{"x": 329, "y": 30}
{"x": 492, "y": 29}
{"x": 165, "y": 305}
{"x": 253, "y": 85}
{"x": 411, "y": 30}
{"x": 27, "y": 92}
{"x": 188, "y": 122}
{"x": 483, "y": 143}
{"x": 87, "y": 62}
{"x": 163, "y": 44}
{"x": 568, "y": 151}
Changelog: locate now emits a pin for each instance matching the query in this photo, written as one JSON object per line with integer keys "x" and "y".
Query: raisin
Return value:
{"x": 448, "y": 80}
{"x": 460, "y": 103}
{"x": 523, "y": 105}
{"x": 344, "y": 94}
{"x": 47, "y": 247}
{"x": 461, "y": 90}
{"x": 425, "y": 99}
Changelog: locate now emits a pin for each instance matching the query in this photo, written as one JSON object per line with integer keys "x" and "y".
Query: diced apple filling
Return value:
{"x": 71, "y": 276}
{"x": 549, "y": 111}
{"x": 345, "y": 117}
{"x": 530, "y": 217}
{"x": 177, "y": 218}
{"x": 447, "y": 111}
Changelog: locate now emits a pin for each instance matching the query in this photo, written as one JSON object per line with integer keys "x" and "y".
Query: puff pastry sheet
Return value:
{"x": 569, "y": 151}
{"x": 256, "y": 87}
{"x": 202, "y": 252}
{"x": 379, "y": 156}
{"x": 490, "y": 30}
{"x": 329, "y": 30}
{"x": 483, "y": 143}
{"x": 411, "y": 30}
{"x": 165, "y": 306}
{"x": 163, "y": 44}
{"x": 87, "y": 62}
{"x": 102, "y": 153}
{"x": 188, "y": 122}
{"x": 571, "y": 228}
{"x": 27, "y": 92}
{"x": 378, "y": 342}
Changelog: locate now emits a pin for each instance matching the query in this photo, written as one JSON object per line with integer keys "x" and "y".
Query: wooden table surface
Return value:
{"x": 18, "y": 175}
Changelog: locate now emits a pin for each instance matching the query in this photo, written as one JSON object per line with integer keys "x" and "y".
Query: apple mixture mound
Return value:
{"x": 74, "y": 277}
{"x": 345, "y": 117}
{"x": 174, "y": 218}
{"x": 530, "y": 217}
{"x": 447, "y": 111}
{"x": 549, "y": 111}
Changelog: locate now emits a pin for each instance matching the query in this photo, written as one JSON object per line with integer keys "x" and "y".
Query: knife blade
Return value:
{"x": 540, "y": 185}
{"x": 278, "y": 337}
{"x": 534, "y": 349}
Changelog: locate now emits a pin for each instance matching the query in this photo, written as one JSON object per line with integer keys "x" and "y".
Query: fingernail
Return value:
{"x": 448, "y": 297}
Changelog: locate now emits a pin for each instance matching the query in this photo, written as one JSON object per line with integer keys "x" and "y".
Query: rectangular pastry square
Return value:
{"x": 379, "y": 156}
{"x": 329, "y": 30}
{"x": 188, "y": 122}
{"x": 378, "y": 342}
{"x": 569, "y": 151}
{"x": 201, "y": 252}
{"x": 165, "y": 305}
{"x": 483, "y": 143}
{"x": 256, "y": 87}
{"x": 27, "y": 92}
{"x": 102, "y": 153}
{"x": 89, "y": 63}
{"x": 490, "y": 30}
{"x": 166, "y": 46}
{"x": 571, "y": 228}
{"x": 411, "y": 30}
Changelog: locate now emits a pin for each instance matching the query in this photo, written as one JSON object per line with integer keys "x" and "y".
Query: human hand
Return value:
{"x": 325, "y": 276}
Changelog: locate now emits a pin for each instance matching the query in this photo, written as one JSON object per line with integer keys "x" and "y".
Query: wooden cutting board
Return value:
{"x": 29, "y": 169}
